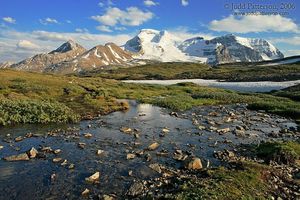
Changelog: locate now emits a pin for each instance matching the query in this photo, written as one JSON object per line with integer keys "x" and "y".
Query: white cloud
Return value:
{"x": 81, "y": 30}
{"x": 184, "y": 33}
{"x": 294, "y": 52}
{"x": 184, "y": 2}
{"x": 69, "y": 21}
{"x": 254, "y": 23}
{"x": 48, "y": 20}
{"x": 120, "y": 28}
{"x": 104, "y": 3}
{"x": 132, "y": 16}
{"x": 9, "y": 20}
{"x": 49, "y": 36}
{"x": 104, "y": 28}
{"x": 290, "y": 40}
{"x": 47, "y": 41}
{"x": 26, "y": 44}
{"x": 101, "y": 4}
{"x": 150, "y": 3}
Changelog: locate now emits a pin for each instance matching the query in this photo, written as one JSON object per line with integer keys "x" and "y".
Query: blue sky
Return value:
{"x": 28, "y": 27}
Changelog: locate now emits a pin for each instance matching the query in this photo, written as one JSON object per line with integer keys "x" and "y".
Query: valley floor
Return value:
{"x": 245, "y": 141}
{"x": 236, "y": 72}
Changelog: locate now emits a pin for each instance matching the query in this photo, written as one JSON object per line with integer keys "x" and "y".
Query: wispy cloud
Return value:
{"x": 104, "y": 28}
{"x": 150, "y": 3}
{"x": 48, "y": 20}
{"x": 81, "y": 30}
{"x": 104, "y": 3}
{"x": 132, "y": 16}
{"x": 292, "y": 52}
{"x": 9, "y": 20}
{"x": 184, "y": 33}
{"x": 26, "y": 44}
{"x": 184, "y": 2}
{"x": 254, "y": 23}
{"x": 295, "y": 40}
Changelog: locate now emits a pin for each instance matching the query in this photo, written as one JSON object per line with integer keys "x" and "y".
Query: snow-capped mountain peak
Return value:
{"x": 164, "y": 46}
{"x": 157, "y": 45}
{"x": 248, "y": 49}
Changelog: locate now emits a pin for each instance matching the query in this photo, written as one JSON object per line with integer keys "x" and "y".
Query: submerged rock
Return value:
{"x": 126, "y": 130}
{"x": 65, "y": 162}
{"x": 18, "y": 139}
{"x": 57, "y": 151}
{"x": 156, "y": 167}
{"x": 1, "y": 147}
{"x": 130, "y": 156}
{"x": 32, "y": 153}
{"x": 153, "y": 146}
{"x": 179, "y": 155}
{"x": 136, "y": 189}
{"x": 99, "y": 152}
{"x": 87, "y": 135}
{"x": 93, "y": 178}
{"x": 107, "y": 197}
{"x": 47, "y": 149}
{"x": 56, "y": 160}
{"x": 71, "y": 166}
{"x": 53, "y": 176}
{"x": 165, "y": 130}
{"x": 223, "y": 131}
{"x": 81, "y": 145}
{"x": 193, "y": 163}
{"x": 225, "y": 155}
{"x": 29, "y": 135}
{"x": 148, "y": 157}
{"x": 85, "y": 192}
{"x": 174, "y": 114}
{"x": 19, "y": 157}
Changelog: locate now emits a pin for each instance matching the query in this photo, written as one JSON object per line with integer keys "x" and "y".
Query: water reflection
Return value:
{"x": 259, "y": 86}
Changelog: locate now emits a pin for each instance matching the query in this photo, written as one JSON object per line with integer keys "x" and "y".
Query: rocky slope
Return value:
{"x": 97, "y": 57}
{"x": 248, "y": 50}
{"x": 40, "y": 62}
{"x": 5, "y": 65}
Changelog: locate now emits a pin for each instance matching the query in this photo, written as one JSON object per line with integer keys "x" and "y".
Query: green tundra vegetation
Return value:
{"x": 27, "y": 97}
{"x": 229, "y": 72}
{"x": 247, "y": 180}
{"x": 281, "y": 152}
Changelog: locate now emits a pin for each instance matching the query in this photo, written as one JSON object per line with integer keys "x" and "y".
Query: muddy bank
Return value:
{"x": 131, "y": 150}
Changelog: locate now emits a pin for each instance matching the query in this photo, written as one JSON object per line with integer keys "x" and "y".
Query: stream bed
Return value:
{"x": 197, "y": 132}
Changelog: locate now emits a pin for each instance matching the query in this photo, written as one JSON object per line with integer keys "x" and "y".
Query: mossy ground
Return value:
{"x": 229, "y": 72}
{"x": 247, "y": 180}
{"x": 94, "y": 95}
{"x": 281, "y": 152}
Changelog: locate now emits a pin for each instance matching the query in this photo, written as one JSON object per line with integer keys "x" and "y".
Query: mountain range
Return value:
{"x": 147, "y": 46}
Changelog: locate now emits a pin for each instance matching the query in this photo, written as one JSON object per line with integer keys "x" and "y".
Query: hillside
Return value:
{"x": 228, "y": 72}
{"x": 39, "y": 62}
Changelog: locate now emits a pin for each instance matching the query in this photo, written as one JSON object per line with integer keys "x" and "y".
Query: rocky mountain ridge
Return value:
{"x": 164, "y": 46}
{"x": 147, "y": 46}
